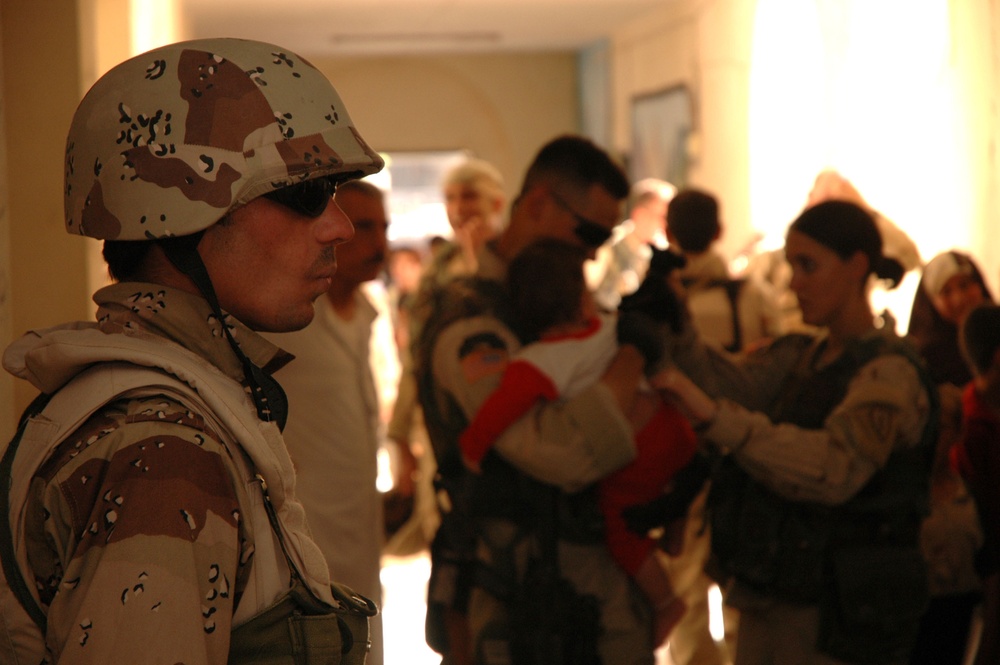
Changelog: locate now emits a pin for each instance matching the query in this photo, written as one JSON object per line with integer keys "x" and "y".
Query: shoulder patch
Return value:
{"x": 481, "y": 355}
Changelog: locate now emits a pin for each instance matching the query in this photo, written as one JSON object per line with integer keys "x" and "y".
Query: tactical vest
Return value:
{"x": 298, "y": 628}
{"x": 544, "y": 609}
{"x": 858, "y": 557}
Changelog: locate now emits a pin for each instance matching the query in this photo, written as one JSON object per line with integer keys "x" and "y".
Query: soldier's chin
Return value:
{"x": 288, "y": 323}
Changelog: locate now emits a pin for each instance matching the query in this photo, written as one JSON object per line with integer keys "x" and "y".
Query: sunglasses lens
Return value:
{"x": 591, "y": 234}
{"x": 308, "y": 198}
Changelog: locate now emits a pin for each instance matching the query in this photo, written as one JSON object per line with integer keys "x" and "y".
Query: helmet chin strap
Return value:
{"x": 268, "y": 395}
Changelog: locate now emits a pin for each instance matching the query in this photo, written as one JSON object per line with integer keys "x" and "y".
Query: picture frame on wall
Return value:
{"x": 662, "y": 123}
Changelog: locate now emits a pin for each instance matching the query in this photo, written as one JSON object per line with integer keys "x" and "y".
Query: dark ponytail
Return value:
{"x": 847, "y": 228}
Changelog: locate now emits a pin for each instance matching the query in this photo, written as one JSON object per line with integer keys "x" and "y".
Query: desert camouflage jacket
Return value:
{"x": 139, "y": 527}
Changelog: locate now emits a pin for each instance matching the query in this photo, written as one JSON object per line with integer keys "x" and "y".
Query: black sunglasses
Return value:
{"x": 309, "y": 198}
{"x": 588, "y": 231}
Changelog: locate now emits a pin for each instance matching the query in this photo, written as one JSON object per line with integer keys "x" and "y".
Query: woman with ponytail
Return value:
{"x": 824, "y": 443}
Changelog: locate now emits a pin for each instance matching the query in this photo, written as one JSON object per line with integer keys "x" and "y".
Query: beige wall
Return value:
{"x": 7, "y": 415}
{"x": 976, "y": 56}
{"x": 41, "y": 89}
{"x": 501, "y": 107}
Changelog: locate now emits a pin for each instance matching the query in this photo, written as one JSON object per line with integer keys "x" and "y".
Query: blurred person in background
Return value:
{"x": 334, "y": 428}
{"x": 621, "y": 264}
{"x": 474, "y": 198}
{"x": 825, "y": 442}
{"x": 951, "y": 286}
{"x": 978, "y": 459}
{"x": 404, "y": 268}
{"x": 732, "y": 313}
{"x": 951, "y": 537}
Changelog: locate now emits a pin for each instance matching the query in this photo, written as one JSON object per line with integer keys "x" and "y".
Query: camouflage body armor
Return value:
{"x": 860, "y": 561}
{"x": 549, "y": 622}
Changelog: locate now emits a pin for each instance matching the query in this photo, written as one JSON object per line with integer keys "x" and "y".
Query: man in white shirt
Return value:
{"x": 621, "y": 264}
{"x": 333, "y": 424}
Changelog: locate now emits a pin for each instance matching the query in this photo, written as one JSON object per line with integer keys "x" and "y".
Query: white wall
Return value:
{"x": 902, "y": 98}
{"x": 704, "y": 46}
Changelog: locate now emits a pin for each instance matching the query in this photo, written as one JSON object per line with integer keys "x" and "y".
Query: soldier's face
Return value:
{"x": 568, "y": 217}
{"x": 362, "y": 259}
{"x": 269, "y": 263}
{"x": 467, "y": 203}
{"x": 825, "y": 285}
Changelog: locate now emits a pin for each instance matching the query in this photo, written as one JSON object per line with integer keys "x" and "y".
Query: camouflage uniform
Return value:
{"x": 568, "y": 445}
{"x": 151, "y": 485}
{"x": 821, "y": 464}
{"x": 144, "y": 534}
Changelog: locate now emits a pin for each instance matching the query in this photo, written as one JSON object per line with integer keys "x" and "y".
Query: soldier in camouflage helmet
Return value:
{"x": 151, "y": 514}
{"x": 520, "y": 573}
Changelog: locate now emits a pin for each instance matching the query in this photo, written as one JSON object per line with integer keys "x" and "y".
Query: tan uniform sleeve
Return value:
{"x": 568, "y": 443}
{"x": 885, "y": 408}
{"x": 753, "y": 380}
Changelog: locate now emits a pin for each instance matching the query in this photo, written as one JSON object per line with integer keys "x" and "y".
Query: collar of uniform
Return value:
{"x": 185, "y": 319}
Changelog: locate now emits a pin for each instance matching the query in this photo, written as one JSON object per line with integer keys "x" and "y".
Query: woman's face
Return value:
{"x": 823, "y": 282}
{"x": 959, "y": 295}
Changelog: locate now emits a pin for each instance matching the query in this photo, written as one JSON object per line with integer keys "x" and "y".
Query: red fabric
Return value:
{"x": 665, "y": 445}
{"x": 521, "y": 386}
{"x": 977, "y": 457}
{"x": 592, "y": 325}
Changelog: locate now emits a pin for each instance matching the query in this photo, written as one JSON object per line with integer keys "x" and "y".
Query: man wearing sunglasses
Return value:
{"x": 151, "y": 513}
{"x": 495, "y": 561}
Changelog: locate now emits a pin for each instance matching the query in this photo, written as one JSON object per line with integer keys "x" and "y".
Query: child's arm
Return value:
{"x": 672, "y": 505}
{"x": 521, "y": 386}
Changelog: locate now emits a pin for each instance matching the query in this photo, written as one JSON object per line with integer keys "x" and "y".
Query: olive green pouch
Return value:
{"x": 300, "y": 630}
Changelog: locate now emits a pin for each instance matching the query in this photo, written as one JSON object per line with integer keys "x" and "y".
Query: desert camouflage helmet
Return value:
{"x": 167, "y": 142}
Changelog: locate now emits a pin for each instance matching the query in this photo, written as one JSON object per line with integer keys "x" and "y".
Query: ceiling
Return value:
{"x": 405, "y": 27}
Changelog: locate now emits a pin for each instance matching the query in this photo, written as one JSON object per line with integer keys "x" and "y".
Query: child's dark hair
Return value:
{"x": 545, "y": 281}
{"x": 980, "y": 337}
{"x": 693, "y": 220}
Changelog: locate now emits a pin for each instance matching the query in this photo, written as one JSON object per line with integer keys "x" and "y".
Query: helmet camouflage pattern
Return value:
{"x": 166, "y": 143}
